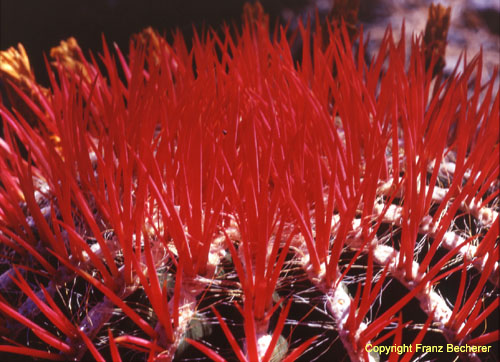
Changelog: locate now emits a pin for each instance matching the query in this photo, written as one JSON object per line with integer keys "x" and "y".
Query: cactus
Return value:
{"x": 228, "y": 202}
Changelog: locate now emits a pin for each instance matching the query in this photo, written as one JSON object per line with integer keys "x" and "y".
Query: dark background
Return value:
{"x": 41, "y": 24}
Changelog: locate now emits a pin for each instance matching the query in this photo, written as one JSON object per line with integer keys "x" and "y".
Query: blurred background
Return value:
{"x": 41, "y": 24}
